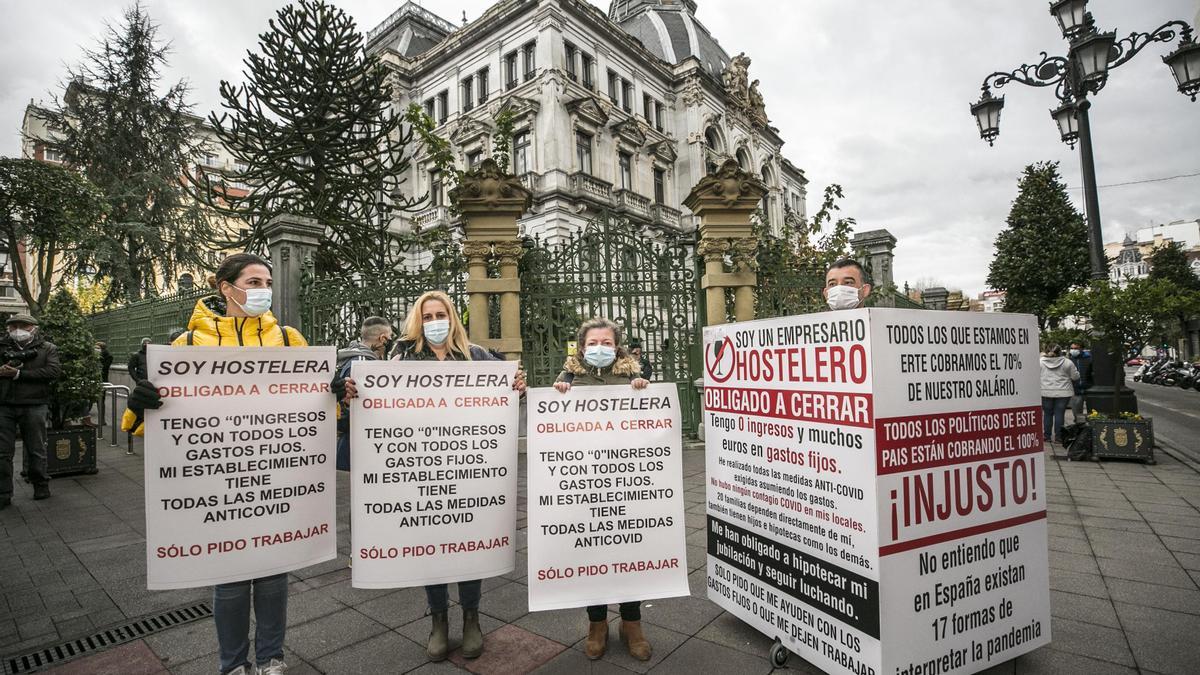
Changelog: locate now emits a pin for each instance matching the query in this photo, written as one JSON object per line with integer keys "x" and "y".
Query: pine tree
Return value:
{"x": 79, "y": 385}
{"x": 1170, "y": 263}
{"x": 134, "y": 143}
{"x": 315, "y": 128}
{"x": 1044, "y": 251}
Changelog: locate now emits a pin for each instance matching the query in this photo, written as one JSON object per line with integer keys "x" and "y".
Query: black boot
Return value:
{"x": 439, "y": 640}
{"x": 41, "y": 491}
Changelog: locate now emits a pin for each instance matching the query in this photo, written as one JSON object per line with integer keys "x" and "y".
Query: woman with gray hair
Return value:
{"x": 600, "y": 359}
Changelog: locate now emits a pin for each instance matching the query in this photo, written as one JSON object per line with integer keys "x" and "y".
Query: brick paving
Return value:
{"x": 1124, "y": 579}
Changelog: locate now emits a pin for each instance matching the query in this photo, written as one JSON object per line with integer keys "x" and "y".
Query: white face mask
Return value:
{"x": 841, "y": 297}
{"x": 599, "y": 356}
{"x": 258, "y": 301}
{"x": 436, "y": 331}
{"x": 20, "y": 334}
{"x": 1074, "y": 352}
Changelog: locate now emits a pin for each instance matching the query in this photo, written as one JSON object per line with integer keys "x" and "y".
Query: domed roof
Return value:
{"x": 670, "y": 31}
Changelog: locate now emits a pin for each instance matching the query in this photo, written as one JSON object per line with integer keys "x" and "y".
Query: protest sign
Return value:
{"x": 434, "y": 477}
{"x": 876, "y": 491}
{"x": 605, "y": 496}
{"x": 239, "y": 463}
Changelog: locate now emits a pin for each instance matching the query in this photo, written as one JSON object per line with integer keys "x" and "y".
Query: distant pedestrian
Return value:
{"x": 1058, "y": 386}
{"x": 1082, "y": 358}
{"x": 30, "y": 367}
{"x": 375, "y": 340}
{"x": 137, "y": 363}
{"x": 106, "y": 359}
{"x": 635, "y": 350}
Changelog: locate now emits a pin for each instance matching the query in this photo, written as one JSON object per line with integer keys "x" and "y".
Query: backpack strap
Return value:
{"x": 191, "y": 338}
{"x": 287, "y": 341}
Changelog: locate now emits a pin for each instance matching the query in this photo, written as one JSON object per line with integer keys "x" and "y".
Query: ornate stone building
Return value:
{"x": 624, "y": 111}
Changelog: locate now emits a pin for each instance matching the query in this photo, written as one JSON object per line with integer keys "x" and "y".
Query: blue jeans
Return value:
{"x": 1054, "y": 411}
{"x": 468, "y": 595}
{"x": 231, "y": 610}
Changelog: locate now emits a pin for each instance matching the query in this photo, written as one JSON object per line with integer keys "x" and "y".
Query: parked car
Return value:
{"x": 1135, "y": 361}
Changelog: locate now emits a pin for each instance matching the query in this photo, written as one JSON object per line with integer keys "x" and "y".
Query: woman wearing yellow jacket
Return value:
{"x": 237, "y": 316}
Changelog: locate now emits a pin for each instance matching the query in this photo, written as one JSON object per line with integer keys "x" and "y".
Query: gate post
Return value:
{"x": 490, "y": 202}
{"x": 724, "y": 202}
{"x": 291, "y": 239}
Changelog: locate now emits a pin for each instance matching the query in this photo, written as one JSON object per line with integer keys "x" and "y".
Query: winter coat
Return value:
{"x": 1083, "y": 363}
{"x": 406, "y": 351}
{"x": 106, "y": 361}
{"x": 1058, "y": 377}
{"x": 355, "y": 351}
{"x": 32, "y": 385}
{"x": 624, "y": 370}
{"x": 209, "y": 327}
{"x": 137, "y": 365}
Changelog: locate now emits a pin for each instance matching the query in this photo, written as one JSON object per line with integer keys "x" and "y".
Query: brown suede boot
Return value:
{"x": 635, "y": 641}
{"x": 597, "y": 640}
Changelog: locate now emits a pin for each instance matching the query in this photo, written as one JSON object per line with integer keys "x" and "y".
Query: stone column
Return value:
{"x": 291, "y": 239}
{"x": 876, "y": 251}
{"x": 490, "y": 202}
{"x": 724, "y": 202}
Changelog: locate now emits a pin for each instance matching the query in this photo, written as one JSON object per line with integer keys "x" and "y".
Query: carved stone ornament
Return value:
{"x": 664, "y": 150}
{"x": 476, "y": 251}
{"x": 589, "y": 110}
{"x": 729, "y": 187}
{"x": 509, "y": 252}
{"x": 745, "y": 252}
{"x": 468, "y": 131}
{"x": 736, "y": 79}
{"x": 713, "y": 249}
{"x": 519, "y": 106}
{"x": 630, "y": 131}
{"x": 487, "y": 188}
{"x": 693, "y": 92}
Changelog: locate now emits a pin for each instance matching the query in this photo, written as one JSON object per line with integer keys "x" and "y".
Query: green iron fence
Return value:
{"x": 611, "y": 268}
{"x": 124, "y": 327}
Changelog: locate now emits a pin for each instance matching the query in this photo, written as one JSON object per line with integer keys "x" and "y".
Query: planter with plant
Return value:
{"x": 1125, "y": 436}
{"x": 71, "y": 439}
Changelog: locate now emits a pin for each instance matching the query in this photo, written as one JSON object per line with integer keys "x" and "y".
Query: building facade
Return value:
{"x": 1127, "y": 259}
{"x": 623, "y": 111}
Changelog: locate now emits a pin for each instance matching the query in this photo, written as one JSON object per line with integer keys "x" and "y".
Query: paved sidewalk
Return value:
{"x": 1124, "y": 558}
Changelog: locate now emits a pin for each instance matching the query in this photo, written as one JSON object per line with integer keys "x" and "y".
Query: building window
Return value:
{"x": 242, "y": 167}
{"x": 660, "y": 186}
{"x": 52, "y": 155}
{"x": 625, "y": 162}
{"x": 443, "y": 106}
{"x": 589, "y": 65}
{"x": 613, "y": 85}
{"x": 481, "y": 84}
{"x": 473, "y": 158}
{"x": 520, "y": 150}
{"x": 510, "y": 70}
{"x": 658, "y": 115}
{"x": 530, "y": 63}
{"x": 626, "y": 95}
{"x": 648, "y": 108}
{"x": 572, "y": 71}
{"x": 209, "y": 159}
{"x": 431, "y": 108}
{"x": 583, "y": 152}
{"x": 435, "y": 187}
{"x": 467, "y": 98}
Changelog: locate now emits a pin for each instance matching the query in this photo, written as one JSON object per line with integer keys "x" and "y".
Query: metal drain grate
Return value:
{"x": 105, "y": 639}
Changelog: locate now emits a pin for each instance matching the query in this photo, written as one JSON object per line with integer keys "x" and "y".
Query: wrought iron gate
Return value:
{"x": 644, "y": 282}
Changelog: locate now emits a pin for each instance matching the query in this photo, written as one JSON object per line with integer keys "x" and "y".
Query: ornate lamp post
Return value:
{"x": 1085, "y": 70}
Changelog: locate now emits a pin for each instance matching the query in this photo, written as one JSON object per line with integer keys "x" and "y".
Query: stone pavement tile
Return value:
{"x": 1082, "y": 584}
{"x": 508, "y": 603}
{"x": 443, "y": 668}
{"x": 567, "y": 626}
{"x": 697, "y": 557}
{"x": 1181, "y": 545}
{"x": 1167, "y": 575}
{"x": 1125, "y": 525}
{"x": 731, "y": 631}
{"x": 107, "y": 542}
{"x": 662, "y": 641}
{"x": 1189, "y": 561}
{"x": 1151, "y": 551}
{"x": 346, "y": 594}
{"x": 575, "y": 662}
{"x": 1154, "y": 595}
{"x": 1070, "y": 545}
{"x": 384, "y": 653}
{"x": 326, "y": 578}
{"x": 308, "y": 605}
{"x": 1049, "y": 661}
{"x": 1083, "y": 608}
{"x": 1173, "y": 530}
{"x": 685, "y": 615}
{"x": 36, "y": 626}
{"x": 701, "y": 656}
{"x": 520, "y": 571}
{"x": 418, "y": 631}
{"x": 510, "y": 650}
{"x": 1073, "y": 562}
{"x": 74, "y": 627}
{"x": 1057, "y": 531}
{"x": 396, "y": 609}
{"x": 1162, "y": 641}
{"x": 1091, "y": 640}
{"x": 1195, "y": 576}
{"x": 1150, "y": 509}
{"x": 330, "y": 633}
{"x": 185, "y": 643}
{"x": 134, "y": 658}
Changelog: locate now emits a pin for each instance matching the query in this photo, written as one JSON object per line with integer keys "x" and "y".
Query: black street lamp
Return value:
{"x": 1085, "y": 70}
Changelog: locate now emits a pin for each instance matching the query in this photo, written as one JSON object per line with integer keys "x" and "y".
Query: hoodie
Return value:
{"x": 1058, "y": 377}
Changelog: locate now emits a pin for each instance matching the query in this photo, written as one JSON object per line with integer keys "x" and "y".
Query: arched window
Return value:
{"x": 768, "y": 178}
{"x": 743, "y": 159}
{"x": 713, "y": 140}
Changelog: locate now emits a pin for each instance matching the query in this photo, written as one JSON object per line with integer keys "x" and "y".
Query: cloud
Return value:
{"x": 873, "y": 96}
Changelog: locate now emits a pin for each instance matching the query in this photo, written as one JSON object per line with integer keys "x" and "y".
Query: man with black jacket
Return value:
{"x": 137, "y": 363}
{"x": 29, "y": 367}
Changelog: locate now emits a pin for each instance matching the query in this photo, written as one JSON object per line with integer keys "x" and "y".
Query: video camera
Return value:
{"x": 19, "y": 357}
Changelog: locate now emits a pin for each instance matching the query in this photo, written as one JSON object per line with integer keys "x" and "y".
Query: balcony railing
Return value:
{"x": 632, "y": 202}
{"x": 531, "y": 180}
{"x": 665, "y": 215}
{"x": 431, "y": 217}
{"x": 588, "y": 186}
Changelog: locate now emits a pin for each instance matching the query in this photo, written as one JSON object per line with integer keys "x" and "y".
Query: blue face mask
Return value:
{"x": 599, "y": 356}
{"x": 437, "y": 331}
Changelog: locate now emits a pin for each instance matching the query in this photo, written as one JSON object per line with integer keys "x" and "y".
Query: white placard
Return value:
{"x": 605, "y": 496}
{"x": 239, "y": 463}
{"x": 876, "y": 488}
{"x": 433, "y": 472}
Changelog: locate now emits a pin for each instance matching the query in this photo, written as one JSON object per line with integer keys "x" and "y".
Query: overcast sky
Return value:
{"x": 871, "y": 95}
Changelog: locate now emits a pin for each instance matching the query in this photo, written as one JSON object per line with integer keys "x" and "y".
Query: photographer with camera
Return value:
{"x": 30, "y": 366}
